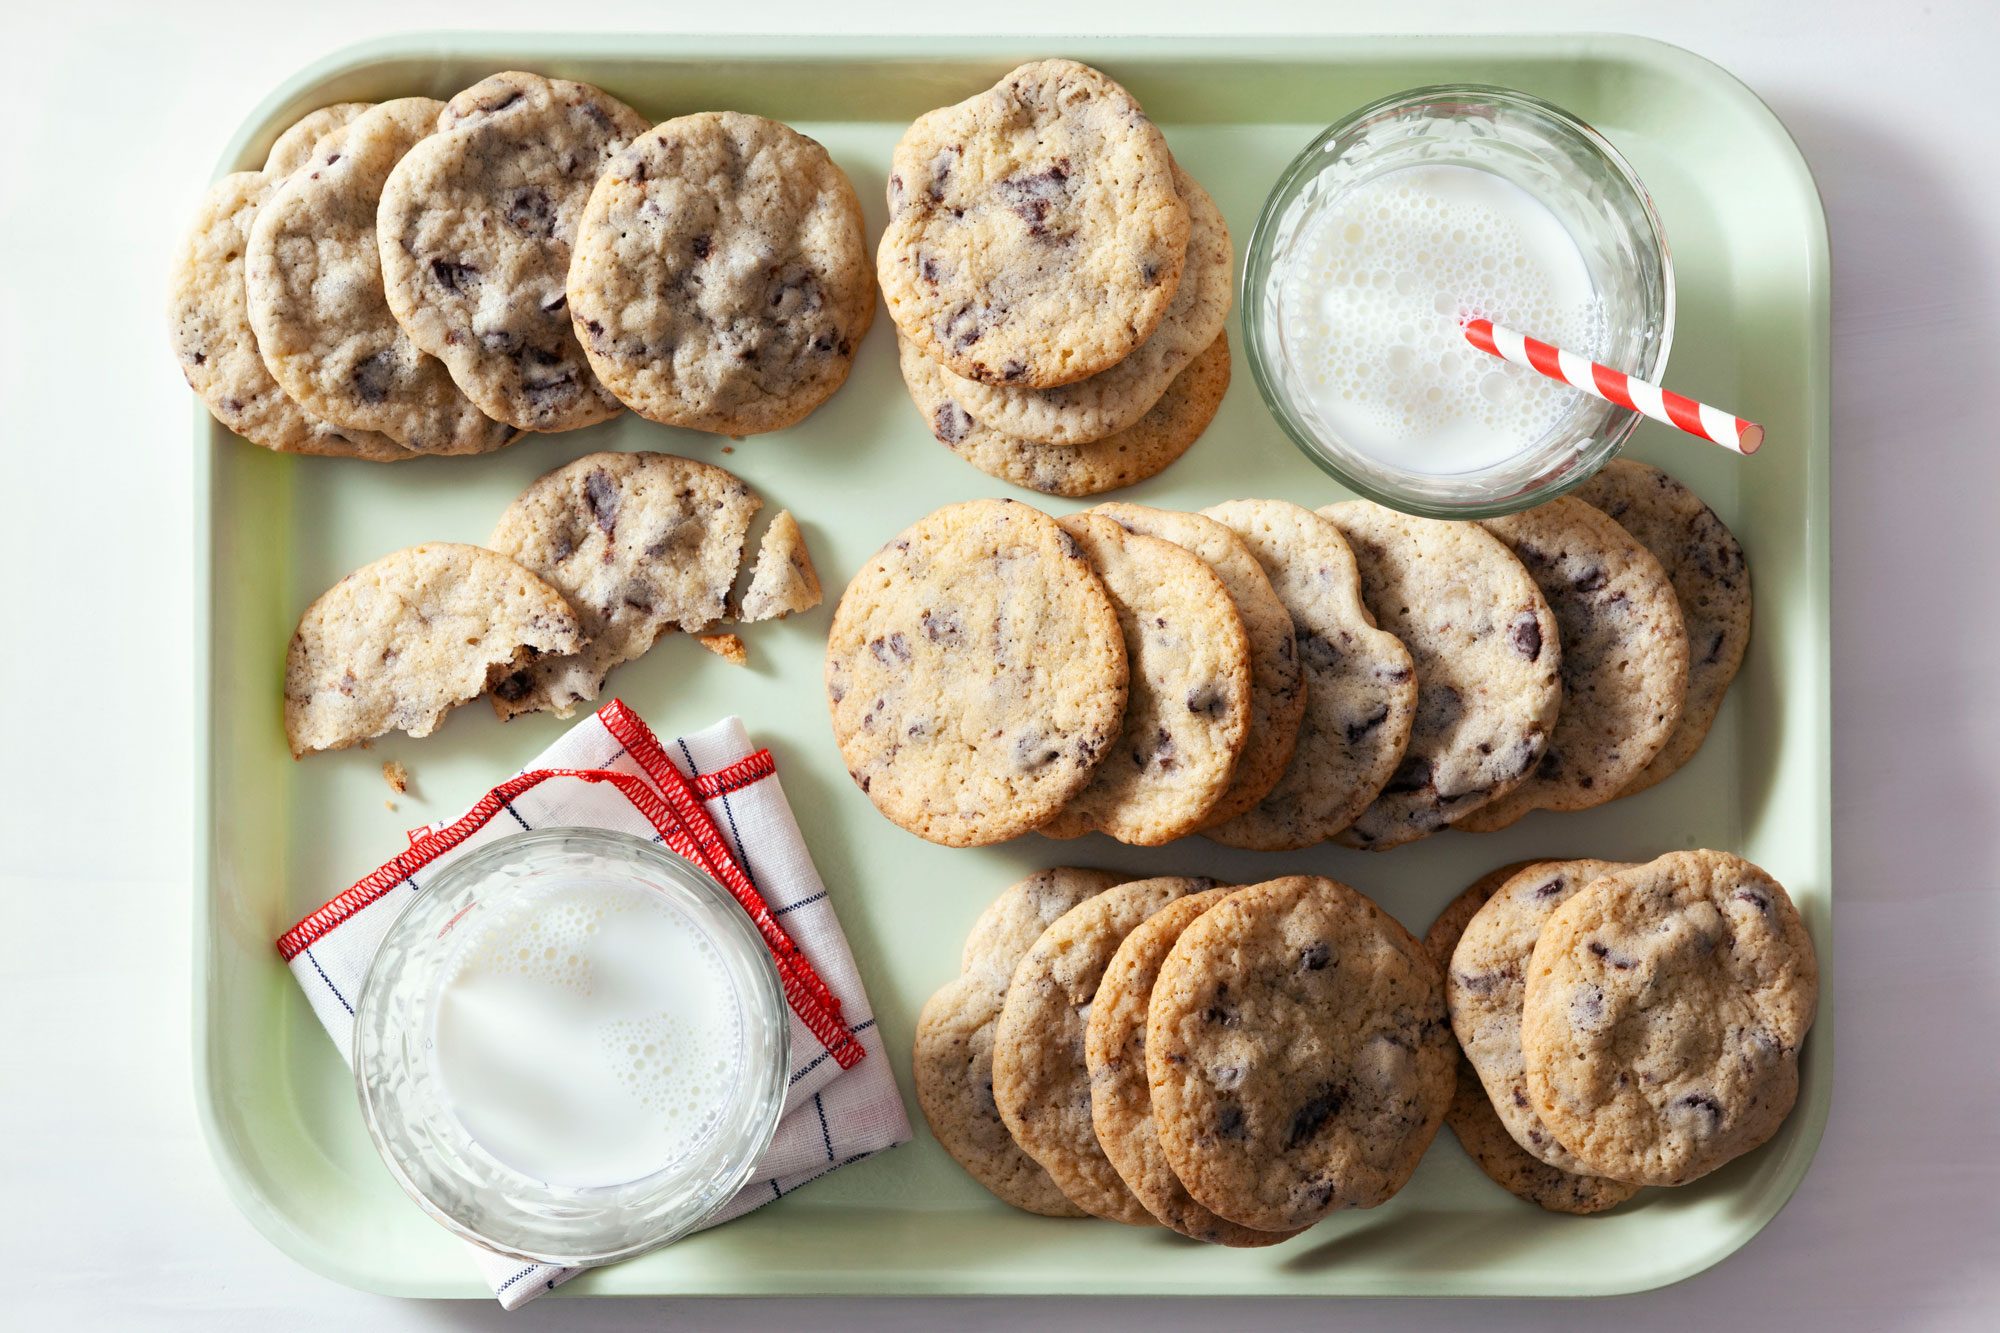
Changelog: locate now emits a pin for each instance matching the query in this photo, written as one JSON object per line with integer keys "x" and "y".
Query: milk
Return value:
{"x": 585, "y": 1033}
{"x": 1370, "y": 305}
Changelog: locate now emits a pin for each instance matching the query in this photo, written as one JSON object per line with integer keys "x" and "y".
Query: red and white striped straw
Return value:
{"x": 1615, "y": 386}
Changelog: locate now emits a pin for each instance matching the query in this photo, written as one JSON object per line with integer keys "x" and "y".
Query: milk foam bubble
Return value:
{"x": 1371, "y": 301}
{"x": 585, "y": 1034}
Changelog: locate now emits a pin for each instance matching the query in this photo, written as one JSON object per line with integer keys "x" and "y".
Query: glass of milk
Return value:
{"x": 1418, "y": 212}
{"x": 572, "y": 1046}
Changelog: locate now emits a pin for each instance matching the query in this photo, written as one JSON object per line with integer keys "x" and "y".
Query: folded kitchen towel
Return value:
{"x": 716, "y": 801}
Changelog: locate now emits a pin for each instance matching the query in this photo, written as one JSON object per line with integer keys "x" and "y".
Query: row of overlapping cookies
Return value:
{"x": 1059, "y": 283}
{"x": 1274, "y": 677}
{"x": 587, "y": 569}
{"x": 421, "y": 277}
{"x": 1236, "y": 1063}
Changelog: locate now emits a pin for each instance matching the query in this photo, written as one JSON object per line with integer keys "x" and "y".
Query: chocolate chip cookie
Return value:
{"x": 976, "y": 673}
{"x": 1361, "y": 691}
{"x": 1187, "y": 713}
{"x": 1035, "y": 236}
{"x": 397, "y": 644}
{"x": 475, "y": 228}
{"x": 1041, "y": 1080}
{"x": 720, "y": 275}
{"x": 1665, "y": 1009}
{"x": 1704, "y": 562}
{"x": 1485, "y": 981}
{"x": 1121, "y": 1101}
{"x": 1277, "y": 685}
{"x": 640, "y": 544}
{"x": 1471, "y": 1116}
{"x": 784, "y": 581}
{"x": 1624, "y": 657}
{"x": 1487, "y": 658}
{"x": 953, "y": 1063}
{"x": 1298, "y": 1052}
{"x": 313, "y": 276}
{"x": 1142, "y": 450}
{"x": 208, "y": 320}
{"x": 1114, "y": 399}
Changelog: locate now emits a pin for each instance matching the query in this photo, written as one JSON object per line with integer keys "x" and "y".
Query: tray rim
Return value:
{"x": 233, "y": 1164}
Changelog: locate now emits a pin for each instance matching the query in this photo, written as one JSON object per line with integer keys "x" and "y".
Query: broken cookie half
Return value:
{"x": 399, "y": 643}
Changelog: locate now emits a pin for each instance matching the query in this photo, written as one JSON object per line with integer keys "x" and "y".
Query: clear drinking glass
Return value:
{"x": 446, "y": 1170}
{"x": 1570, "y": 169}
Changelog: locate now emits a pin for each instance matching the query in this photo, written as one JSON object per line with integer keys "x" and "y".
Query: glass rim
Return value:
{"x": 1619, "y": 423}
{"x": 765, "y": 1004}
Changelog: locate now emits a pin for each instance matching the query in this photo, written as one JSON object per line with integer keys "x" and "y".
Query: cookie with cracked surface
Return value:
{"x": 1487, "y": 655}
{"x": 1035, "y": 233}
{"x": 1121, "y": 1101}
{"x": 1624, "y": 657}
{"x": 1486, "y": 980}
{"x": 784, "y": 581}
{"x": 1666, "y": 1005}
{"x": 953, "y": 1063}
{"x": 397, "y": 644}
{"x": 290, "y": 150}
{"x": 975, "y": 673}
{"x": 1277, "y": 685}
{"x": 720, "y": 275}
{"x": 313, "y": 276}
{"x": 1187, "y": 713}
{"x": 1361, "y": 690}
{"x": 1041, "y": 1080}
{"x": 1704, "y": 562}
{"x": 1298, "y": 1053}
{"x": 1113, "y": 399}
{"x": 641, "y": 544}
{"x": 1471, "y": 1116}
{"x": 475, "y": 228}
{"x": 1144, "y": 449}
{"x": 208, "y": 321}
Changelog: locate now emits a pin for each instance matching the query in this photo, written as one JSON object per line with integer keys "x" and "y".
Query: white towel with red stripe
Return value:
{"x": 713, "y": 799}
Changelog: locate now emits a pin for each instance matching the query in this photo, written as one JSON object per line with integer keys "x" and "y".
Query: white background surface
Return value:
{"x": 109, "y": 1213}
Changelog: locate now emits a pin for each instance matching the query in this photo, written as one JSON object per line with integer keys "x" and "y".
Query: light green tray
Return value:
{"x": 276, "y": 837}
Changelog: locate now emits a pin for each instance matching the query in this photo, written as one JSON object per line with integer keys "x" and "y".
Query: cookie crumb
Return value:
{"x": 728, "y": 647}
{"x": 389, "y": 805}
{"x": 396, "y": 776}
{"x": 728, "y": 448}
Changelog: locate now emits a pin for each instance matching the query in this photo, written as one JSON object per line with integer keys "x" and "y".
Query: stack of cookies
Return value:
{"x": 1232, "y": 1063}
{"x": 1275, "y": 677}
{"x": 1059, "y": 284}
{"x": 587, "y": 569}
{"x": 1622, "y": 1025}
{"x": 422, "y": 277}
{"x": 1236, "y": 1063}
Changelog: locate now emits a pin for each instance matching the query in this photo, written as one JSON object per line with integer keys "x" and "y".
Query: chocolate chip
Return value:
{"x": 951, "y": 423}
{"x": 1616, "y": 960}
{"x": 600, "y": 493}
{"x": 1223, "y": 1017}
{"x": 1317, "y": 652}
{"x": 1031, "y": 751}
{"x": 1149, "y": 273}
{"x": 451, "y": 275}
{"x": 928, "y": 270}
{"x": 374, "y": 377}
{"x": 1315, "y": 1112}
{"x": 1757, "y": 898}
{"x": 554, "y": 303}
{"x": 1480, "y": 983}
{"x": 1590, "y": 580}
{"x": 1526, "y": 635}
{"x": 1226, "y": 1077}
{"x": 505, "y": 102}
{"x": 1703, "y": 1105}
{"x": 1357, "y": 729}
{"x": 1315, "y": 956}
{"x": 1520, "y": 1099}
{"x": 1550, "y": 889}
{"x": 512, "y": 688}
{"x": 963, "y": 327}
{"x": 1586, "y": 1008}
{"x": 1229, "y": 1121}
{"x": 1012, "y": 370}
{"x": 700, "y": 246}
{"x": 1206, "y": 699}
{"x": 529, "y": 210}
{"x": 1035, "y": 196}
{"x": 940, "y": 626}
